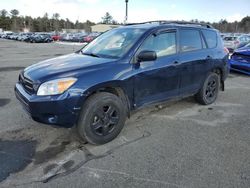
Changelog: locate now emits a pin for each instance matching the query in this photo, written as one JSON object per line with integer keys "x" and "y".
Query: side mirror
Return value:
{"x": 146, "y": 56}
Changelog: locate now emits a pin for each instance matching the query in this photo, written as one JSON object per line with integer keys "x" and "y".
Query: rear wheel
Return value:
{"x": 102, "y": 118}
{"x": 209, "y": 91}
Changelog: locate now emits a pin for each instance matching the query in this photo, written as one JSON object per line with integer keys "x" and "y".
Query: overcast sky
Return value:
{"x": 139, "y": 10}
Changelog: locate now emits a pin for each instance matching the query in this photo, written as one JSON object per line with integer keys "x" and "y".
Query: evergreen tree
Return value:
{"x": 107, "y": 18}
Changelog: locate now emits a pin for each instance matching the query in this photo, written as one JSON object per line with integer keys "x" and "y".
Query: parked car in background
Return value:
{"x": 124, "y": 69}
{"x": 40, "y": 38}
{"x": 78, "y": 37}
{"x": 20, "y": 36}
{"x": 13, "y": 36}
{"x": 240, "y": 60}
{"x": 26, "y": 37}
{"x": 91, "y": 37}
{"x": 66, "y": 37}
{"x": 8, "y": 35}
{"x": 56, "y": 37}
{"x": 73, "y": 37}
{"x": 234, "y": 42}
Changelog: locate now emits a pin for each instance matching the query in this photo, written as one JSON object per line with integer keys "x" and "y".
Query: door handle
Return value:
{"x": 176, "y": 62}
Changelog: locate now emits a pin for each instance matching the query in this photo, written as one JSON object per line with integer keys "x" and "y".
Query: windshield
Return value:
{"x": 114, "y": 43}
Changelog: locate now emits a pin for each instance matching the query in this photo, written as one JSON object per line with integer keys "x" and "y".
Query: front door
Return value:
{"x": 157, "y": 80}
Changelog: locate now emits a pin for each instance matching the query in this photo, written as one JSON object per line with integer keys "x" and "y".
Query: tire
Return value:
{"x": 210, "y": 89}
{"x": 102, "y": 118}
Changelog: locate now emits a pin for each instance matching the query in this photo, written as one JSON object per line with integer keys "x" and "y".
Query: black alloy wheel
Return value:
{"x": 210, "y": 89}
{"x": 102, "y": 118}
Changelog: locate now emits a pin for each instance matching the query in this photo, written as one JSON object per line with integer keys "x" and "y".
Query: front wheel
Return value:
{"x": 209, "y": 91}
{"x": 102, "y": 118}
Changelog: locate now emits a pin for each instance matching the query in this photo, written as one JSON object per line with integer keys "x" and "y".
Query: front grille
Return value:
{"x": 27, "y": 84}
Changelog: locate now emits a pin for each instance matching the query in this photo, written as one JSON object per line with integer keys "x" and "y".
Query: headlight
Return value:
{"x": 55, "y": 87}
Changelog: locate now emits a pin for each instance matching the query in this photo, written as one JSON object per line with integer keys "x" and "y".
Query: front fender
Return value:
{"x": 123, "y": 88}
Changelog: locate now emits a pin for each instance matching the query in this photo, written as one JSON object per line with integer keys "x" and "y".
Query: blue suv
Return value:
{"x": 126, "y": 68}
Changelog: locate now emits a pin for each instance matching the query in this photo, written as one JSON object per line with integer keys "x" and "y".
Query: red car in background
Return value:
{"x": 56, "y": 37}
{"x": 90, "y": 37}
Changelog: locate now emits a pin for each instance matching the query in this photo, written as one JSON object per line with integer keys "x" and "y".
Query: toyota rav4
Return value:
{"x": 97, "y": 87}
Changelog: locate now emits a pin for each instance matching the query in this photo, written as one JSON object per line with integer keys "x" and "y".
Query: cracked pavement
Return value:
{"x": 175, "y": 144}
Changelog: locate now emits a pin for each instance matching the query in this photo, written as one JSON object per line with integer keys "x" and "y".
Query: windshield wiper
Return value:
{"x": 90, "y": 54}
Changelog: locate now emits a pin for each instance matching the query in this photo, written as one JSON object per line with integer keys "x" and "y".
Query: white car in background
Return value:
{"x": 234, "y": 42}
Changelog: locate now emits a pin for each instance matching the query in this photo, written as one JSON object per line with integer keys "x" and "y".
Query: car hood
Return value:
{"x": 243, "y": 51}
{"x": 62, "y": 66}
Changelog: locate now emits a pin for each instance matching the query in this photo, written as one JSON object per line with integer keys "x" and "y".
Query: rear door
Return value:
{"x": 194, "y": 60}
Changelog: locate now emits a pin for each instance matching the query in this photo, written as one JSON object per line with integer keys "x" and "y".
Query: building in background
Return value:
{"x": 26, "y": 30}
{"x": 73, "y": 30}
{"x": 103, "y": 27}
{"x": 1, "y": 30}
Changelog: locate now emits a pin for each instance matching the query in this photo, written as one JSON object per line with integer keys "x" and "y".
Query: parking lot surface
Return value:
{"x": 175, "y": 144}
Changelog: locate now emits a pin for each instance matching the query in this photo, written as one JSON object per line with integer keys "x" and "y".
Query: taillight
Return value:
{"x": 226, "y": 50}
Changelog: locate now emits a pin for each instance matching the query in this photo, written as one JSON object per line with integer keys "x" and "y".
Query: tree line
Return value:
{"x": 13, "y": 21}
{"x": 236, "y": 27}
{"x": 224, "y": 26}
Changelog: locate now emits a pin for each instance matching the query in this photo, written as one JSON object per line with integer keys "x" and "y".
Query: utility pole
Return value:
{"x": 126, "y": 16}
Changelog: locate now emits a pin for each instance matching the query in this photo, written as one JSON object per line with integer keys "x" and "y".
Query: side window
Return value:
{"x": 190, "y": 40}
{"x": 163, "y": 44}
{"x": 211, "y": 38}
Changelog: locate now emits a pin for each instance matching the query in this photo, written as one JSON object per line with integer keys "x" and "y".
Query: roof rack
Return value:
{"x": 160, "y": 22}
{"x": 148, "y": 22}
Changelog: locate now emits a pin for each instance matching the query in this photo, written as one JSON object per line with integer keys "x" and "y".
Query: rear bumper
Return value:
{"x": 62, "y": 110}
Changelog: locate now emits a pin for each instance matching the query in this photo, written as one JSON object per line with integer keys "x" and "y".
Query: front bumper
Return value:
{"x": 62, "y": 110}
{"x": 240, "y": 66}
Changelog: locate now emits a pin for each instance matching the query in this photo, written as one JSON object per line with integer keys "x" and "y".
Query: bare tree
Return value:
{"x": 56, "y": 17}
{"x": 14, "y": 13}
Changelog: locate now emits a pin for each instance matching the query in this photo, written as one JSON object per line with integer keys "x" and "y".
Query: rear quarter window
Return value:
{"x": 211, "y": 38}
{"x": 190, "y": 40}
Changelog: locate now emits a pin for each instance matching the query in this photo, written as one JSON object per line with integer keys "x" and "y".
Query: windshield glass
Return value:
{"x": 114, "y": 43}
